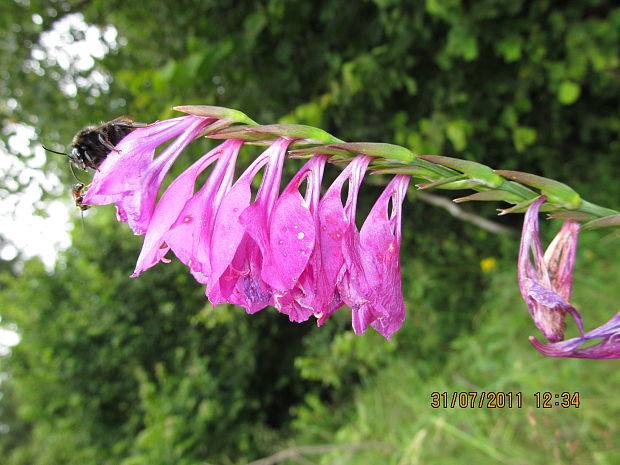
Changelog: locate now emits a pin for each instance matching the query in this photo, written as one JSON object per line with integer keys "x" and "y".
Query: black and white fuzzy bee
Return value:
{"x": 91, "y": 145}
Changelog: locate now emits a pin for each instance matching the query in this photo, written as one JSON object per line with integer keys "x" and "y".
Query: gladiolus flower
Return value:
{"x": 241, "y": 236}
{"x": 130, "y": 177}
{"x": 294, "y": 233}
{"x": 371, "y": 284}
{"x": 183, "y": 220}
{"x": 335, "y": 222}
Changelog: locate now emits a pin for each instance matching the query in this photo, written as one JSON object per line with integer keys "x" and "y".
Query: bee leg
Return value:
{"x": 127, "y": 124}
{"x": 87, "y": 156}
{"x": 106, "y": 143}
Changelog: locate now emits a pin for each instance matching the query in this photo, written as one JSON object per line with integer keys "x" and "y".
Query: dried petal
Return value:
{"x": 546, "y": 283}
{"x": 608, "y": 348}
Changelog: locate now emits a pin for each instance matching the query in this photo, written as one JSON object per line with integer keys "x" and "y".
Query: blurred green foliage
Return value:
{"x": 111, "y": 370}
{"x": 393, "y": 407}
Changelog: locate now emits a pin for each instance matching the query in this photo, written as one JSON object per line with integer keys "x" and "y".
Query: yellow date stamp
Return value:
{"x": 501, "y": 399}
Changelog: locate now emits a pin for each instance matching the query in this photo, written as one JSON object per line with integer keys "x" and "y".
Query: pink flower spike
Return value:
{"x": 546, "y": 283}
{"x": 131, "y": 178}
{"x": 240, "y": 234}
{"x": 335, "y": 222}
{"x": 293, "y": 230}
{"x": 371, "y": 283}
{"x": 173, "y": 201}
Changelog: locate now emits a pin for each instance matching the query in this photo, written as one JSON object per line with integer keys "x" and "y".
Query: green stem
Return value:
{"x": 588, "y": 207}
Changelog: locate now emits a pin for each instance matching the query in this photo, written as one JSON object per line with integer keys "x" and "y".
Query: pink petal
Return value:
{"x": 371, "y": 284}
{"x": 335, "y": 223}
{"x": 173, "y": 204}
{"x": 292, "y": 232}
{"x": 297, "y": 298}
{"x": 241, "y": 236}
{"x": 190, "y": 238}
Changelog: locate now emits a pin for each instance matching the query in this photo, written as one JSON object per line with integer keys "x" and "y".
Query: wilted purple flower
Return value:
{"x": 546, "y": 287}
{"x": 546, "y": 283}
{"x": 608, "y": 348}
{"x": 130, "y": 177}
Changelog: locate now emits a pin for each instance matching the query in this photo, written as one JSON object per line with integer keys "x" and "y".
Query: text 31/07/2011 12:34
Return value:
{"x": 499, "y": 399}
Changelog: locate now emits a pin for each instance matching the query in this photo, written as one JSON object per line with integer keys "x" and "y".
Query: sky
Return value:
{"x": 32, "y": 234}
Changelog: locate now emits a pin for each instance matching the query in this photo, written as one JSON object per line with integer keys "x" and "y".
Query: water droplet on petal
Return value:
{"x": 280, "y": 242}
{"x": 300, "y": 235}
{"x": 187, "y": 219}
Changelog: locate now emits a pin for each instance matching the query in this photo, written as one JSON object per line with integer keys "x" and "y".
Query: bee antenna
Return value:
{"x": 54, "y": 151}
{"x": 64, "y": 155}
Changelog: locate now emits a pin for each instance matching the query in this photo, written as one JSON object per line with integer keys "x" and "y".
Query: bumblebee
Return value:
{"x": 91, "y": 145}
{"x": 77, "y": 191}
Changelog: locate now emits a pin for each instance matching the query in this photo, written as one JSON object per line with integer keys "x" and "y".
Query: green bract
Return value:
{"x": 216, "y": 112}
